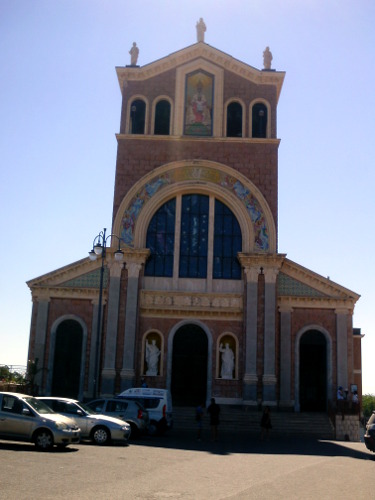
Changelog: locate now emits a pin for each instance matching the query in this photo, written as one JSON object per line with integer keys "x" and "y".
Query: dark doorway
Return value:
{"x": 67, "y": 359}
{"x": 313, "y": 372}
{"x": 189, "y": 366}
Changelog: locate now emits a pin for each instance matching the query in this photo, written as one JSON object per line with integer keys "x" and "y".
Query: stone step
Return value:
{"x": 242, "y": 420}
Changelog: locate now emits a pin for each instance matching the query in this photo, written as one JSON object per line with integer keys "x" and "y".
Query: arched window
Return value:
{"x": 227, "y": 243}
{"x": 160, "y": 241}
{"x": 162, "y": 118}
{"x": 196, "y": 246}
{"x": 137, "y": 117}
{"x": 234, "y": 120}
{"x": 259, "y": 120}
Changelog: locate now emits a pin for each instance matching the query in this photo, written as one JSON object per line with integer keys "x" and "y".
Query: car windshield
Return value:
{"x": 87, "y": 409}
{"x": 38, "y": 405}
{"x": 371, "y": 420}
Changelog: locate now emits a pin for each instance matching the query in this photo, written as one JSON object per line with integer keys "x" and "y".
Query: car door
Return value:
{"x": 16, "y": 419}
{"x": 117, "y": 409}
{"x": 80, "y": 417}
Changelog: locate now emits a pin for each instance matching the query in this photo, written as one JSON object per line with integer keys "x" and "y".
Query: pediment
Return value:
{"x": 299, "y": 286}
{"x": 204, "y": 52}
{"x": 81, "y": 278}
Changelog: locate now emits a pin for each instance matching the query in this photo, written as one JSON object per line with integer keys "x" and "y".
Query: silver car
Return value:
{"x": 130, "y": 411}
{"x": 100, "y": 429}
{"x": 24, "y": 418}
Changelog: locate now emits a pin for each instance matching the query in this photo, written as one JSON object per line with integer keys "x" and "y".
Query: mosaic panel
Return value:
{"x": 89, "y": 280}
{"x": 287, "y": 286}
{"x": 252, "y": 205}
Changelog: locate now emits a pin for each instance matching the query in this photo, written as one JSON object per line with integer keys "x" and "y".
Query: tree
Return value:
{"x": 368, "y": 404}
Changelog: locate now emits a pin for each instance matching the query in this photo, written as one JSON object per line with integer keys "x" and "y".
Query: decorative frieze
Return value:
{"x": 161, "y": 303}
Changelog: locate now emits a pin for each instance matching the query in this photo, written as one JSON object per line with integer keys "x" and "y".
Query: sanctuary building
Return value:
{"x": 188, "y": 290}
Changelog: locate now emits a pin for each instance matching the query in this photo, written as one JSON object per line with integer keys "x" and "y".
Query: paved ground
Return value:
{"x": 177, "y": 466}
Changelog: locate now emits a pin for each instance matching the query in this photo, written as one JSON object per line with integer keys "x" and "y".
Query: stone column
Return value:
{"x": 134, "y": 262}
{"x": 269, "y": 374}
{"x": 250, "y": 378}
{"x": 109, "y": 372}
{"x": 342, "y": 347}
{"x": 285, "y": 356}
{"x": 40, "y": 337}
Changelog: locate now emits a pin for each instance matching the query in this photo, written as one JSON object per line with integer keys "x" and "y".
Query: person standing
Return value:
{"x": 199, "y": 419}
{"x": 265, "y": 423}
{"x": 214, "y": 410}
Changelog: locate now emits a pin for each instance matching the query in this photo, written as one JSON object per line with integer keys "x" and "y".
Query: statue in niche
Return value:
{"x": 201, "y": 28}
{"x": 152, "y": 358}
{"x": 227, "y": 361}
{"x": 134, "y": 51}
{"x": 267, "y": 58}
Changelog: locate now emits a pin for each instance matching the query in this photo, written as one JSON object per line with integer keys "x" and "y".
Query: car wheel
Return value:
{"x": 134, "y": 431}
{"x": 153, "y": 428}
{"x": 100, "y": 435}
{"x": 43, "y": 440}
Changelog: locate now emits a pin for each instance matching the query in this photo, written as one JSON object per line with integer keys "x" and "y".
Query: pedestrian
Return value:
{"x": 213, "y": 410}
{"x": 265, "y": 423}
{"x": 199, "y": 420}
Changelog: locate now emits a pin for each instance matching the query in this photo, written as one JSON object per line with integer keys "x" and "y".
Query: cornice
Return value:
{"x": 208, "y": 53}
{"x": 334, "y": 303}
{"x": 179, "y": 138}
{"x": 51, "y": 292}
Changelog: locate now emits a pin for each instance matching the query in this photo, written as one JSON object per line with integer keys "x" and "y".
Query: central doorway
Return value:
{"x": 189, "y": 366}
{"x": 313, "y": 371}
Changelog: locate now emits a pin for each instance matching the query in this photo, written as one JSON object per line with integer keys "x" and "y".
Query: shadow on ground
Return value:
{"x": 240, "y": 442}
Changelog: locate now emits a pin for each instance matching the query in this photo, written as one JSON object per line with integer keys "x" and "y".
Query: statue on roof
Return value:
{"x": 267, "y": 58}
{"x": 134, "y": 51}
{"x": 201, "y": 28}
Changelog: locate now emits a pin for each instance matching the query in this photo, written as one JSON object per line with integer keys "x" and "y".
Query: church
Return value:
{"x": 187, "y": 290}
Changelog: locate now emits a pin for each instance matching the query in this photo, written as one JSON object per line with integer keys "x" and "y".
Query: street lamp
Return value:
{"x": 99, "y": 249}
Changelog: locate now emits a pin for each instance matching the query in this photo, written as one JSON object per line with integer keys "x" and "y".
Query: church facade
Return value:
{"x": 188, "y": 290}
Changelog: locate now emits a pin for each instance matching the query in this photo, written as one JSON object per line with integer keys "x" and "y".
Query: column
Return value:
{"x": 40, "y": 338}
{"x": 109, "y": 361}
{"x": 134, "y": 264}
{"x": 285, "y": 356}
{"x": 250, "y": 378}
{"x": 269, "y": 373}
{"x": 342, "y": 347}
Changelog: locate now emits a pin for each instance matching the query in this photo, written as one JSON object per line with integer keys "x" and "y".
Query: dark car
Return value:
{"x": 370, "y": 433}
{"x": 131, "y": 411}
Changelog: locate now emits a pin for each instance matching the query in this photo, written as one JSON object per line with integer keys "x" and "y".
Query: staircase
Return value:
{"x": 239, "y": 419}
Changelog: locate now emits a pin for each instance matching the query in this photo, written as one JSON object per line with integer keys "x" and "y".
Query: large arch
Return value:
{"x": 171, "y": 338}
{"x": 52, "y": 351}
{"x": 229, "y": 186}
{"x": 297, "y": 357}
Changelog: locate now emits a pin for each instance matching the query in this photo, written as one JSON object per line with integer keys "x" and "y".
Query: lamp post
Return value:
{"x": 99, "y": 249}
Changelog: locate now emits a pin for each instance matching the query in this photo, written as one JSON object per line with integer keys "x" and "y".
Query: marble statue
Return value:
{"x": 201, "y": 28}
{"x": 152, "y": 357}
{"x": 267, "y": 58}
{"x": 227, "y": 361}
{"x": 134, "y": 51}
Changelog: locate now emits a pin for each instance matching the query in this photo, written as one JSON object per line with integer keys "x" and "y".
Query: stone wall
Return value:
{"x": 347, "y": 427}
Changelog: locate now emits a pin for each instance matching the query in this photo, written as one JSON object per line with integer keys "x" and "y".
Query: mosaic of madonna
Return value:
{"x": 198, "y": 104}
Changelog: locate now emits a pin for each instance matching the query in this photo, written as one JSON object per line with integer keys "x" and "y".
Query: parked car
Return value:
{"x": 125, "y": 409}
{"x": 370, "y": 433}
{"x": 24, "y": 418}
{"x": 100, "y": 429}
{"x": 158, "y": 403}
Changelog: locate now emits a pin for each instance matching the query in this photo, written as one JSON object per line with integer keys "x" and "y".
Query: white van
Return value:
{"x": 158, "y": 403}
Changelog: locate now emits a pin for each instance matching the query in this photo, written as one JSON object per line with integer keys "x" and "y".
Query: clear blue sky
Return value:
{"x": 60, "y": 109}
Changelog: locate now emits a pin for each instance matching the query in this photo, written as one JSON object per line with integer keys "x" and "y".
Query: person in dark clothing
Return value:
{"x": 213, "y": 410}
{"x": 265, "y": 423}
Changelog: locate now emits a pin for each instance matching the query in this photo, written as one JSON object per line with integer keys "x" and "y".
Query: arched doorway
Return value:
{"x": 313, "y": 371}
{"x": 67, "y": 359}
{"x": 189, "y": 366}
